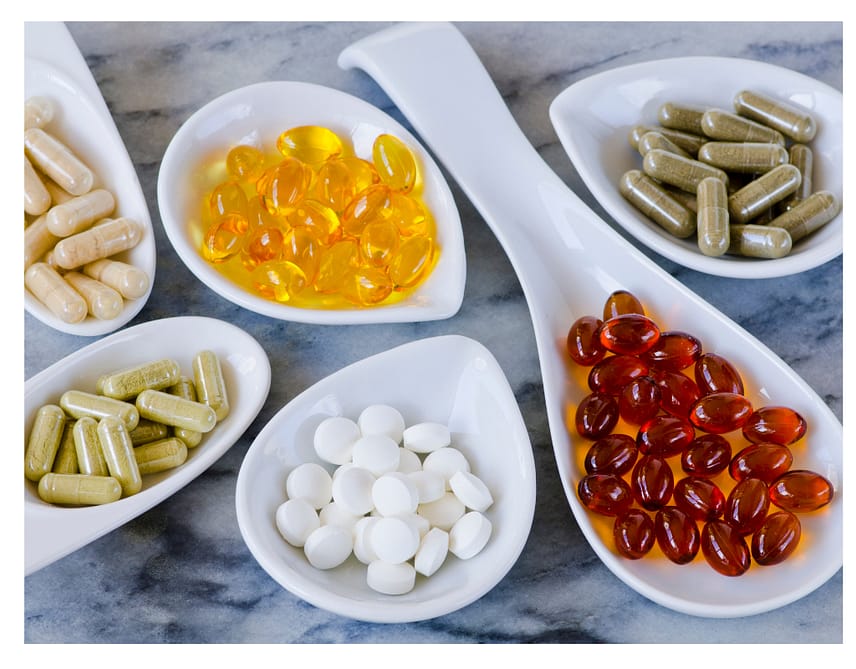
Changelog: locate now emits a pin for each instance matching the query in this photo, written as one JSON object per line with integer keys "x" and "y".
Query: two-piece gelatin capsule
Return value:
{"x": 39, "y": 111}
{"x": 79, "y": 403}
{"x": 102, "y": 302}
{"x": 728, "y": 127}
{"x": 209, "y": 383}
{"x": 808, "y": 215}
{"x": 762, "y": 193}
{"x": 652, "y": 200}
{"x": 52, "y": 290}
{"x": 97, "y": 242}
{"x": 119, "y": 454}
{"x": 44, "y": 440}
{"x": 129, "y": 281}
{"x": 65, "y": 461}
{"x": 789, "y": 119}
{"x": 79, "y": 489}
{"x": 759, "y": 241}
{"x": 57, "y": 161}
{"x": 681, "y": 117}
{"x": 688, "y": 141}
{"x": 79, "y": 213}
{"x": 37, "y": 198}
{"x": 744, "y": 157}
{"x": 90, "y": 457}
{"x": 161, "y": 455}
{"x": 657, "y": 140}
{"x": 176, "y": 411}
{"x": 712, "y": 219}
{"x": 185, "y": 389}
{"x": 802, "y": 157}
{"x": 130, "y": 382}
{"x": 683, "y": 173}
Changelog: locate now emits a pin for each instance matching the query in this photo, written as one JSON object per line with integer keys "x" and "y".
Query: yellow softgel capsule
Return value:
{"x": 279, "y": 280}
{"x": 262, "y": 244}
{"x": 44, "y": 441}
{"x": 413, "y": 259}
{"x": 79, "y": 489}
{"x": 284, "y": 185}
{"x": 187, "y": 390}
{"x": 119, "y": 454}
{"x": 79, "y": 213}
{"x": 409, "y": 215}
{"x": 372, "y": 203}
{"x": 227, "y": 198}
{"x": 379, "y": 242}
{"x": 366, "y": 286}
{"x": 127, "y": 383}
{"x": 224, "y": 238}
{"x": 209, "y": 382}
{"x": 335, "y": 185}
{"x": 310, "y": 143}
{"x": 334, "y": 265}
{"x": 90, "y": 457}
{"x": 65, "y": 461}
{"x": 317, "y": 217}
{"x": 244, "y": 161}
{"x": 100, "y": 241}
{"x": 176, "y": 411}
{"x": 129, "y": 281}
{"x": 57, "y": 161}
{"x": 302, "y": 247}
{"x": 394, "y": 162}
{"x": 159, "y": 456}
{"x": 79, "y": 403}
{"x": 37, "y": 199}
{"x": 102, "y": 301}
{"x": 52, "y": 290}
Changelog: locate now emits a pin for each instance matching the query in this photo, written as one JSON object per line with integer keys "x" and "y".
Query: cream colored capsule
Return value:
{"x": 48, "y": 286}
{"x": 38, "y": 112}
{"x": 686, "y": 118}
{"x": 78, "y": 403}
{"x": 65, "y": 461}
{"x": 58, "y": 194}
{"x": 759, "y": 241}
{"x": 185, "y": 389}
{"x": 79, "y": 213}
{"x": 130, "y": 281}
{"x": 102, "y": 301}
{"x": 44, "y": 440}
{"x": 38, "y": 240}
{"x": 127, "y": 383}
{"x": 37, "y": 199}
{"x": 723, "y": 125}
{"x": 790, "y": 120}
{"x": 712, "y": 221}
{"x": 209, "y": 382}
{"x": 683, "y": 173}
{"x": 161, "y": 455}
{"x": 90, "y": 458}
{"x": 658, "y": 205}
{"x": 176, "y": 411}
{"x": 744, "y": 157}
{"x": 79, "y": 489}
{"x": 687, "y": 141}
{"x": 763, "y": 192}
{"x": 807, "y": 216}
{"x": 119, "y": 454}
{"x": 657, "y": 140}
{"x": 99, "y": 241}
{"x": 57, "y": 161}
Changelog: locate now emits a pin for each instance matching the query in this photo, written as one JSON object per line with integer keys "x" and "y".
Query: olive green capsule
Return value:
{"x": 713, "y": 221}
{"x": 176, "y": 411}
{"x": 683, "y": 173}
{"x": 148, "y": 430}
{"x": 65, "y": 461}
{"x": 812, "y": 213}
{"x": 652, "y": 200}
{"x": 723, "y": 125}
{"x": 657, "y": 140}
{"x": 686, "y": 118}
{"x": 130, "y": 382}
{"x": 743, "y": 157}
{"x": 79, "y": 489}
{"x": 801, "y": 157}
{"x": 210, "y": 384}
{"x": 759, "y": 241}
{"x": 185, "y": 388}
{"x": 689, "y": 200}
{"x": 78, "y": 404}
{"x": 119, "y": 454}
{"x": 687, "y": 141}
{"x": 90, "y": 458}
{"x": 45, "y": 437}
{"x": 788, "y": 119}
{"x": 158, "y": 456}
{"x": 763, "y": 192}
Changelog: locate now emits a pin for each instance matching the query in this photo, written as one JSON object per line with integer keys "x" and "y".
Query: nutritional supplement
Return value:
{"x": 176, "y": 411}
{"x": 57, "y": 161}
{"x": 657, "y": 140}
{"x": 78, "y": 403}
{"x": 762, "y": 193}
{"x": 129, "y": 281}
{"x": 777, "y": 539}
{"x": 90, "y": 457}
{"x": 802, "y": 157}
{"x": 787, "y": 118}
{"x": 43, "y": 442}
{"x": 743, "y": 157}
{"x": 655, "y": 202}
{"x": 65, "y": 461}
{"x": 808, "y": 215}
{"x": 684, "y": 173}
{"x": 79, "y": 489}
{"x": 79, "y": 213}
{"x": 52, "y": 290}
{"x": 38, "y": 112}
{"x": 37, "y": 199}
{"x": 209, "y": 383}
{"x": 119, "y": 454}
{"x": 724, "y": 548}
{"x": 97, "y": 242}
{"x": 102, "y": 302}
{"x": 128, "y": 383}
{"x": 686, "y": 140}
{"x": 728, "y": 127}
{"x": 681, "y": 117}
{"x": 759, "y": 241}
{"x": 158, "y": 456}
{"x": 185, "y": 389}
{"x": 713, "y": 222}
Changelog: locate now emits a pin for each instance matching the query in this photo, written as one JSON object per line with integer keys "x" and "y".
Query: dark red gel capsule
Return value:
{"x": 633, "y": 533}
{"x": 761, "y": 461}
{"x": 724, "y": 548}
{"x": 606, "y": 494}
{"x": 706, "y": 455}
{"x": 674, "y": 351}
{"x": 612, "y": 454}
{"x": 611, "y": 374}
{"x": 652, "y": 482}
{"x": 622, "y": 302}
{"x": 747, "y": 505}
{"x": 777, "y": 539}
{"x": 779, "y": 425}
{"x": 677, "y": 535}
{"x": 678, "y": 392}
{"x": 639, "y": 400}
{"x": 714, "y": 374}
{"x": 596, "y": 415}
{"x": 583, "y": 343}
{"x": 801, "y": 490}
{"x": 664, "y": 436}
{"x": 629, "y": 334}
{"x": 719, "y": 413}
{"x": 701, "y": 498}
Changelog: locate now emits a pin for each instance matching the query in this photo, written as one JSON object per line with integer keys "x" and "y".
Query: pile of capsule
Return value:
{"x": 69, "y": 240}
{"x": 94, "y": 448}
{"x": 740, "y": 181}
{"x": 679, "y": 471}
{"x": 313, "y": 225}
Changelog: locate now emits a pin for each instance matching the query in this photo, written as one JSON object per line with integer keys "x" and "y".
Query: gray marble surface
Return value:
{"x": 181, "y": 572}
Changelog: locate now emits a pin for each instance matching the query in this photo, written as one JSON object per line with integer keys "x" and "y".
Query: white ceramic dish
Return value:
{"x": 55, "y": 68}
{"x": 593, "y": 118}
{"x": 257, "y": 114}
{"x": 51, "y": 532}
{"x": 450, "y": 379}
{"x": 568, "y": 261}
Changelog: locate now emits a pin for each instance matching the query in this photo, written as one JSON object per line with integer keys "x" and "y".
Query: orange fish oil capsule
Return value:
{"x": 371, "y": 203}
{"x": 244, "y": 162}
{"x": 621, "y": 302}
{"x": 334, "y": 264}
{"x": 678, "y": 392}
{"x": 777, "y": 424}
{"x": 227, "y": 198}
{"x": 379, "y": 242}
{"x": 302, "y": 247}
{"x": 714, "y": 373}
{"x": 789, "y": 119}
{"x": 335, "y": 184}
{"x": 58, "y": 162}
{"x": 394, "y": 162}
{"x": 699, "y": 497}
{"x": 583, "y": 341}
{"x": 224, "y": 238}
{"x": 100, "y": 241}
{"x": 677, "y": 535}
{"x": 674, "y": 351}
{"x": 629, "y": 334}
{"x": 262, "y": 244}
{"x": 279, "y": 280}
{"x": 312, "y": 144}
{"x": 724, "y": 548}
{"x": 718, "y": 413}
{"x": 664, "y": 436}
{"x": 317, "y": 217}
{"x": 412, "y": 261}
{"x": 52, "y": 290}
{"x": 765, "y": 461}
{"x": 777, "y": 539}
{"x": 706, "y": 455}
{"x": 801, "y": 490}
{"x": 284, "y": 185}
{"x": 366, "y": 285}
{"x": 746, "y": 505}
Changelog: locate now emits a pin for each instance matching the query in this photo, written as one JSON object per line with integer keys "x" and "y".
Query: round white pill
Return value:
{"x": 430, "y": 486}
{"x": 408, "y": 461}
{"x": 381, "y": 419}
{"x": 363, "y": 550}
{"x": 432, "y": 551}
{"x": 394, "y": 539}
{"x": 446, "y": 461}
{"x": 352, "y": 490}
{"x": 426, "y": 437}
{"x": 469, "y": 535}
{"x": 394, "y": 494}
{"x": 471, "y": 490}
{"x": 377, "y": 452}
{"x": 334, "y": 439}
{"x": 311, "y": 482}
{"x": 336, "y": 514}
{"x": 328, "y": 546}
{"x": 419, "y": 522}
{"x": 296, "y": 519}
{"x": 444, "y": 512}
{"x": 391, "y": 579}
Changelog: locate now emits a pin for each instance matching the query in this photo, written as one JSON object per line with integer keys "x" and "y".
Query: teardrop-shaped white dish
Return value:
{"x": 449, "y": 379}
{"x": 50, "y": 531}
{"x": 593, "y": 119}
{"x": 54, "y": 68}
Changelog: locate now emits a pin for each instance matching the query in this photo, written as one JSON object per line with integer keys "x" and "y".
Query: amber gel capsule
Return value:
{"x": 79, "y": 489}
{"x": 44, "y": 440}
{"x": 785, "y": 117}
{"x": 657, "y": 204}
{"x": 712, "y": 219}
{"x": 119, "y": 454}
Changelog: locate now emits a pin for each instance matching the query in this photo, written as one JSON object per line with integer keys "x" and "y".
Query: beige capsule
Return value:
{"x": 159, "y": 456}
{"x": 79, "y": 489}
{"x": 789, "y": 119}
{"x": 90, "y": 458}
{"x": 130, "y": 382}
{"x": 759, "y": 241}
{"x": 763, "y": 192}
{"x": 686, "y": 140}
{"x": 38, "y": 240}
{"x": 210, "y": 384}
{"x": 814, "y": 212}
{"x": 97, "y": 242}
{"x": 102, "y": 301}
{"x": 683, "y": 173}
{"x": 48, "y": 286}
{"x": 686, "y": 118}
{"x": 657, "y": 140}
{"x": 38, "y": 112}
{"x": 176, "y": 411}
{"x": 119, "y": 454}
{"x": 653, "y": 201}
{"x": 79, "y": 213}
{"x": 723, "y": 125}
{"x": 130, "y": 281}
{"x": 712, "y": 219}
{"x": 43, "y": 442}
{"x": 79, "y": 403}
{"x": 187, "y": 390}
{"x": 37, "y": 199}
{"x": 65, "y": 461}
{"x": 743, "y": 157}
{"x": 58, "y": 162}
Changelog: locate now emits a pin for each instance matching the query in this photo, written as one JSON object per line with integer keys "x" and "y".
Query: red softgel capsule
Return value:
{"x": 612, "y": 373}
{"x": 633, "y": 534}
{"x": 674, "y": 351}
{"x": 678, "y": 392}
{"x": 725, "y": 549}
{"x": 706, "y": 455}
{"x": 629, "y": 334}
{"x": 596, "y": 415}
{"x": 652, "y": 482}
{"x": 761, "y": 461}
{"x": 613, "y": 454}
{"x": 699, "y": 497}
{"x": 639, "y": 400}
{"x": 622, "y": 302}
{"x": 777, "y": 539}
{"x": 583, "y": 341}
{"x": 780, "y": 425}
{"x": 746, "y": 505}
{"x": 677, "y": 535}
{"x": 664, "y": 436}
{"x": 719, "y": 413}
{"x": 801, "y": 490}
{"x": 606, "y": 494}
{"x": 714, "y": 374}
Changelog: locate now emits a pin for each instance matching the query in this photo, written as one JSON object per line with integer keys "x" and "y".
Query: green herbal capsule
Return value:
{"x": 683, "y": 173}
{"x": 176, "y": 411}
{"x": 119, "y": 454}
{"x": 723, "y": 125}
{"x": 128, "y": 383}
{"x": 801, "y": 157}
{"x": 687, "y": 141}
{"x": 812, "y": 213}
{"x": 713, "y": 222}
{"x": 65, "y": 461}
{"x": 45, "y": 437}
{"x": 681, "y": 117}
{"x": 79, "y": 489}
{"x": 763, "y": 193}
{"x": 759, "y": 241}
{"x": 90, "y": 458}
{"x": 161, "y": 455}
{"x": 78, "y": 404}
{"x": 744, "y": 157}
{"x": 657, "y": 140}
{"x": 653, "y": 201}
{"x": 148, "y": 430}
{"x": 210, "y": 385}
{"x": 185, "y": 388}
{"x": 787, "y": 118}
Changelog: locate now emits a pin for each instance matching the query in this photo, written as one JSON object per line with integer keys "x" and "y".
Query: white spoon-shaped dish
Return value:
{"x": 256, "y": 115}
{"x": 568, "y": 260}
{"x": 450, "y": 379}
{"x": 54, "y": 68}
{"x": 50, "y": 531}
{"x": 593, "y": 119}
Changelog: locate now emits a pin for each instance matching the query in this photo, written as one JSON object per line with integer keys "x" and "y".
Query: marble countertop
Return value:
{"x": 181, "y": 573}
